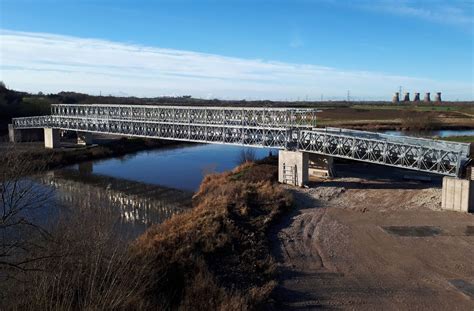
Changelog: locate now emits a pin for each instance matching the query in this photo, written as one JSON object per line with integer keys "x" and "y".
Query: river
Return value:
{"x": 136, "y": 190}
{"x": 436, "y": 133}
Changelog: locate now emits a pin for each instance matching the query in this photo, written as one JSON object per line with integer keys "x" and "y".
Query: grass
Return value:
{"x": 460, "y": 139}
{"x": 418, "y": 107}
{"x": 216, "y": 256}
{"x": 389, "y": 116}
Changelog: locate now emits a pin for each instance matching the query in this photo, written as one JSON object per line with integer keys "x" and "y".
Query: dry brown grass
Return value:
{"x": 213, "y": 257}
{"x": 216, "y": 256}
{"x": 413, "y": 120}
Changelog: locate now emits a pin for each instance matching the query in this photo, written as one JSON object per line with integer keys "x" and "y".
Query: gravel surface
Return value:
{"x": 333, "y": 251}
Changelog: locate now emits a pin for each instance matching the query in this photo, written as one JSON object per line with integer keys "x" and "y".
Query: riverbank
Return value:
{"x": 215, "y": 255}
{"x": 56, "y": 158}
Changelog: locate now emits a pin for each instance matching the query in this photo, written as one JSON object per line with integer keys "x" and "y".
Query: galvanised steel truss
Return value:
{"x": 428, "y": 155}
{"x": 259, "y": 127}
{"x": 283, "y": 128}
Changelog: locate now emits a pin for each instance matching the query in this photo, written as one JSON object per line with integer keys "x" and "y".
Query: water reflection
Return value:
{"x": 134, "y": 205}
{"x": 182, "y": 167}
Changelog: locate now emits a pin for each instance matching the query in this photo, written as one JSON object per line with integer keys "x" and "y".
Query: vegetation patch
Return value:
{"x": 460, "y": 139}
{"x": 216, "y": 255}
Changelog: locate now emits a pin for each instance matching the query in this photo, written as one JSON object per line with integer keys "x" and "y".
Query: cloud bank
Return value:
{"x": 51, "y": 63}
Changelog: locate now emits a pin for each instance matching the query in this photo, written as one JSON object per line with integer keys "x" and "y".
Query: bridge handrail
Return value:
{"x": 464, "y": 148}
{"x": 189, "y": 107}
{"x": 263, "y": 116}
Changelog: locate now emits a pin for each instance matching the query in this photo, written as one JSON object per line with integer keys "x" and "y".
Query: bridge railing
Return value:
{"x": 32, "y": 122}
{"x": 225, "y": 116}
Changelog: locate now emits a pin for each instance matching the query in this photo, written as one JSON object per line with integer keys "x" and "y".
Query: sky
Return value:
{"x": 274, "y": 49}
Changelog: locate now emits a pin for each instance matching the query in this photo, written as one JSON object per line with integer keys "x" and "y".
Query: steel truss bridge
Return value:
{"x": 283, "y": 128}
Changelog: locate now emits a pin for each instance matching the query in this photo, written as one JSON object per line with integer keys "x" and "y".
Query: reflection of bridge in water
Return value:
{"x": 134, "y": 202}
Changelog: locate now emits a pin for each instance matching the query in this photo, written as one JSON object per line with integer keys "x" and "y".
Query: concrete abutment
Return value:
{"x": 296, "y": 167}
{"x": 457, "y": 194}
{"x": 293, "y": 167}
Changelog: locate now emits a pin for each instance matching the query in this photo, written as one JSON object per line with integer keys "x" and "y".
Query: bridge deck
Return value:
{"x": 257, "y": 127}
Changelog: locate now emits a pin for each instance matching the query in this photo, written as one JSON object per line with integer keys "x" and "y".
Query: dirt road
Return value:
{"x": 372, "y": 245}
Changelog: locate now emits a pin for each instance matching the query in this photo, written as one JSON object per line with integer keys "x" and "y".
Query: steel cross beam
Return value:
{"x": 283, "y": 128}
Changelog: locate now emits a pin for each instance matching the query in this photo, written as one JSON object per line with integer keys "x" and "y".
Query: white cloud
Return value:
{"x": 455, "y": 12}
{"x": 52, "y": 63}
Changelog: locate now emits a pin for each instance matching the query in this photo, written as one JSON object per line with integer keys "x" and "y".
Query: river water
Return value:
{"x": 437, "y": 133}
{"x": 136, "y": 190}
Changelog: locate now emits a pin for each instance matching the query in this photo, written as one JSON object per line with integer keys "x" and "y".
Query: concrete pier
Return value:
{"x": 84, "y": 138}
{"x": 51, "y": 138}
{"x": 457, "y": 194}
{"x": 293, "y": 167}
{"x": 13, "y": 135}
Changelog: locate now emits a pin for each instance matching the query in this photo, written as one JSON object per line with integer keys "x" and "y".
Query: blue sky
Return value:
{"x": 239, "y": 49}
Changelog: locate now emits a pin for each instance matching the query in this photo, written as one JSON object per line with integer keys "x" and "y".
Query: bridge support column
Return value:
{"x": 293, "y": 167}
{"x": 51, "y": 138}
{"x": 84, "y": 138}
{"x": 13, "y": 135}
{"x": 458, "y": 194}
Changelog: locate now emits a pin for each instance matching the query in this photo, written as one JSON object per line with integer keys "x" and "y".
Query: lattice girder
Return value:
{"x": 283, "y": 128}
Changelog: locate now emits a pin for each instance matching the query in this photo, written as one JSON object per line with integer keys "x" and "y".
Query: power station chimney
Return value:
{"x": 396, "y": 98}
{"x": 406, "y": 97}
{"x": 417, "y": 97}
{"x": 427, "y": 98}
{"x": 438, "y": 97}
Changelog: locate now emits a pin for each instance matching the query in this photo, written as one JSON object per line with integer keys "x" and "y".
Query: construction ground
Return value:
{"x": 374, "y": 242}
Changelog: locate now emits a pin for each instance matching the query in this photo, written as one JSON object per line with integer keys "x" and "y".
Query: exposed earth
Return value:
{"x": 372, "y": 243}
